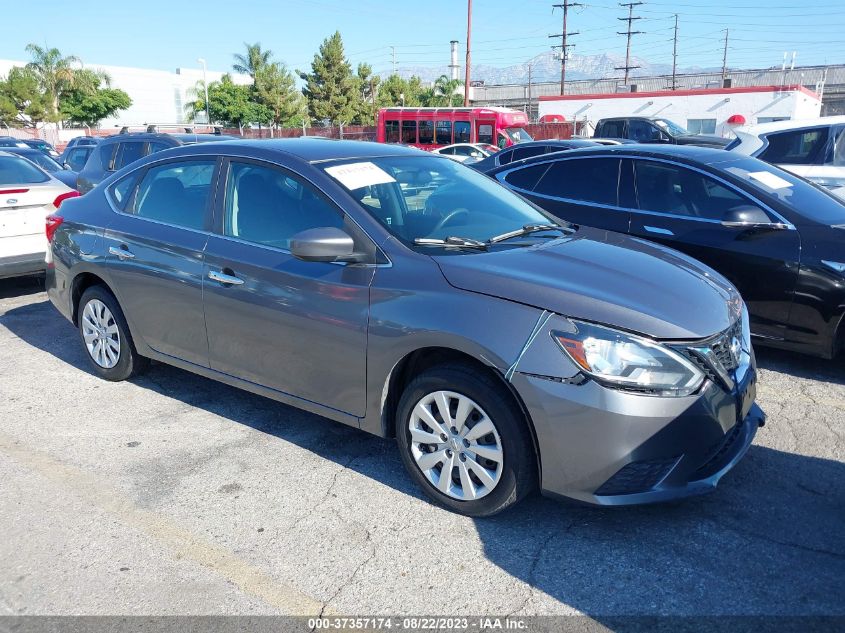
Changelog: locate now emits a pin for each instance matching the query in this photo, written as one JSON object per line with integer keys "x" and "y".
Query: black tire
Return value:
{"x": 519, "y": 473}
{"x": 129, "y": 362}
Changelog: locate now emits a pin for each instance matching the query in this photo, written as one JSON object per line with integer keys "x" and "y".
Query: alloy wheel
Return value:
{"x": 456, "y": 445}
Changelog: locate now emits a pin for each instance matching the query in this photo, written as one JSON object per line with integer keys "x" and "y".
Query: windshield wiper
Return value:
{"x": 525, "y": 230}
{"x": 452, "y": 240}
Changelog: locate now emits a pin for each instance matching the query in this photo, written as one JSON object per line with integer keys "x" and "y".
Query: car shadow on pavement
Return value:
{"x": 801, "y": 365}
{"x": 769, "y": 541}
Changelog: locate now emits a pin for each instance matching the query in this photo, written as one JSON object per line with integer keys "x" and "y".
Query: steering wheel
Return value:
{"x": 449, "y": 217}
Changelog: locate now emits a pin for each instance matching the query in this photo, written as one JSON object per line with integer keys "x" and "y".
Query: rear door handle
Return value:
{"x": 121, "y": 253}
{"x": 223, "y": 278}
{"x": 658, "y": 230}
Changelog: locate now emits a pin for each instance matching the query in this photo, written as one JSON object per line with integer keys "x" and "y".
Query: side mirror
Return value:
{"x": 749, "y": 217}
{"x": 324, "y": 244}
{"x": 66, "y": 166}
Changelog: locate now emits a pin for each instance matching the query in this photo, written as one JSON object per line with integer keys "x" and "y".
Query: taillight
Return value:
{"x": 61, "y": 198}
{"x": 53, "y": 223}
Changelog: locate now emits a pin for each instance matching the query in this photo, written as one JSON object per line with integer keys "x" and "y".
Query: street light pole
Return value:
{"x": 205, "y": 85}
{"x": 469, "y": 59}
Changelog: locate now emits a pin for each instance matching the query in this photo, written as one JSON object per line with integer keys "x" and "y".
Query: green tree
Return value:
{"x": 444, "y": 93}
{"x": 276, "y": 91}
{"x": 229, "y": 104}
{"x": 86, "y": 103}
{"x": 331, "y": 89}
{"x": 22, "y": 103}
{"x": 396, "y": 91}
{"x": 368, "y": 89}
{"x": 55, "y": 74}
{"x": 253, "y": 61}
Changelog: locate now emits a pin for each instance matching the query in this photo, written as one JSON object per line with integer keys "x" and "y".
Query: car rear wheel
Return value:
{"x": 105, "y": 336}
{"x": 464, "y": 441}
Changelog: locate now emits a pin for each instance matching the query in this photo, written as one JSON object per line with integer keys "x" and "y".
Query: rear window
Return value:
{"x": 19, "y": 171}
{"x": 797, "y": 147}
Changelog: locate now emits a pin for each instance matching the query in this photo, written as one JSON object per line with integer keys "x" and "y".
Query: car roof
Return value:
{"x": 312, "y": 150}
{"x": 792, "y": 124}
{"x": 553, "y": 142}
{"x": 682, "y": 153}
{"x": 181, "y": 139}
{"x": 24, "y": 151}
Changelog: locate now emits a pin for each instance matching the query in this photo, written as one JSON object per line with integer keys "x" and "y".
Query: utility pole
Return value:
{"x": 529, "y": 92}
{"x": 630, "y": 20}
{"x": 675, "y": 54}
{"x": 469, "y": 36}
{"x": 564, "y": 47}
{"x": 393, "y": 54}
{"x": 725, "y": 59}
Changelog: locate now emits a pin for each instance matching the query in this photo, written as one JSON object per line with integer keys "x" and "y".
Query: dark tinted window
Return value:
{"x": 443, "y": 132}
{"x": 527, "y": 177}
{"x": 426, "y": 132}
{"x": 642, "y": 131}
{"x": 613, "y": 129}
{"x": 838, "y": 155}
{"x": 680, "y": 191}
{"x": 77, "y": 157}
{"x": 157, "y": 146}
{"x": 121, "y": 191}
{"x": 15, "y": 170}
{"x": 107, "y": 155}
{"x": 797, "y": 147}
{"x": 587, "y": 180}
{"x": 127, "y": 153}
{"x": 504, "y": 156}
{"x": 409, "y": 131}
{"x": 391, "y": 131}
{"x": 176, "y": 193}
{"x": 44, "y": 162}
{"x": 527, "y": 152}
{"x": 268, "y": 206}
{"x": 485, "y": 133}
{"x": 462, "y": 131}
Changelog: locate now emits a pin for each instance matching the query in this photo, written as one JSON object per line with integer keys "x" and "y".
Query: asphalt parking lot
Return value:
{"x": 173, "y": 494}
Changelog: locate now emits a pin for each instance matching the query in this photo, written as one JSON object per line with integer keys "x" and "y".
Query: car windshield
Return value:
{"x": 806, "y": 199}
{"x": 15, "y": 170}
{"x": 517, "y": 135}
{"x": 673, "y": 128}
{"x": 433, "y": 198}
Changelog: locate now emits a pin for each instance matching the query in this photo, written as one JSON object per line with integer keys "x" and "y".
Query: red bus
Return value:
{"x": 430, "y": 128}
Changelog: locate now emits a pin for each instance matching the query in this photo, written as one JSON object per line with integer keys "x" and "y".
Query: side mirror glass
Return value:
{"x": 323, "y": 244}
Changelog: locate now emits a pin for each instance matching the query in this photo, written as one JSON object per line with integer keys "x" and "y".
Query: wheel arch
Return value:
{"x": 423, "y": 358}
{"x": 81, "y": 282}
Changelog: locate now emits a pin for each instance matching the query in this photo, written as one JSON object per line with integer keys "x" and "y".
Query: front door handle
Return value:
{"x": 223, "y": 278}
{"x": 658, "y": 230}
{"x": 121, "y": 253}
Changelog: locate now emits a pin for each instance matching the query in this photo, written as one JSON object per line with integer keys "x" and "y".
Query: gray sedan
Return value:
{"x": 411, "y": 297}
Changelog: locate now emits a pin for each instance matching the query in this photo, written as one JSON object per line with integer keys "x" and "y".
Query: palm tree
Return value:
{"x": 254, "y": 60}
{"x": 54, "y": 72}
{"x": 448, "y": 89}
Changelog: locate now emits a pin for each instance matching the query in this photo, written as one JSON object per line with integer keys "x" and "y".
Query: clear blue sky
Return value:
{"x": 169, "y": 34}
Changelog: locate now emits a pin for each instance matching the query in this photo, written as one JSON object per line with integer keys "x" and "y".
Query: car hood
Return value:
{"x": 705, "y": 140}
{"x": 606, "y": 278}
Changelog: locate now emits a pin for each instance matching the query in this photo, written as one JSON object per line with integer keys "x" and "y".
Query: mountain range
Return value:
{"x": 546, "y": 67}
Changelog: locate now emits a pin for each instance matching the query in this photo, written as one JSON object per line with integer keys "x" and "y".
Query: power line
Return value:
{"x": 630, "y": 20}
{"x": 564, "y": 47}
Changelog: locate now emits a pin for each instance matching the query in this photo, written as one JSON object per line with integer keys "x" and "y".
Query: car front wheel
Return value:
{"x": 464, "y": 441}
{"x": 105, "y": 336}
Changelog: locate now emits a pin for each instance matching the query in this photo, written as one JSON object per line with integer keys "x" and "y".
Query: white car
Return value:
{"x": 812, "y": 148}
{"x": 28, "y": 194}
{"x": 463, "y": 152}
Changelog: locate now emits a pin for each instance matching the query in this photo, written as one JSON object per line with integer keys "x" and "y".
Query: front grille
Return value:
{"x": 715, "y": 356}
{"x": 721, "y": 346}
{"x": 637, "y": 477}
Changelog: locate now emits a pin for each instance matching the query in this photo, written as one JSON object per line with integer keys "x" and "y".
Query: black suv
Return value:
{"x": 643, "y": 129}
{"x": 116, "y": 152}
{"x": 527, "y": 150}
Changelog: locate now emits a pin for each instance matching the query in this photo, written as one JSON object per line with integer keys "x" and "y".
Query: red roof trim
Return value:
{"x": 681, "y": 93}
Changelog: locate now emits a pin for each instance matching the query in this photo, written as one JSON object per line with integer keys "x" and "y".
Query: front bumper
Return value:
{"x": 609, "y": 447}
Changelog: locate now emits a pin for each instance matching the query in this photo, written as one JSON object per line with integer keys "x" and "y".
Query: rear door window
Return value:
{"x": 527, "y": 177}
{"x": 613, "y": 129}
{"x": 585, "y": 180}
{"x": 527, "y": 152}
{"x": 127, "y": 153}
{"x": 176, "y": 193}
{"x": 77, "y": 158}
{"x": 796, "y": 147}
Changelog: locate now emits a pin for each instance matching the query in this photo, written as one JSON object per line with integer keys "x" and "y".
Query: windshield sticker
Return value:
{"x": 770, "y": 180}
{"x": 356, "y": 175}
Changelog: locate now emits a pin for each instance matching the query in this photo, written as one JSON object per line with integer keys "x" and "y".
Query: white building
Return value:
{"x": 704, "y": 111}
{"x": 158, "y": 96}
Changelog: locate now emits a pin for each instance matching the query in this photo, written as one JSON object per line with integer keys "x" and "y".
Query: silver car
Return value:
{"x": 412, "y": 297}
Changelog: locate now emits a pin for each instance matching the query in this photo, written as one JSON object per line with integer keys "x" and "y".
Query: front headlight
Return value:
{"x": 629, "y": 362}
